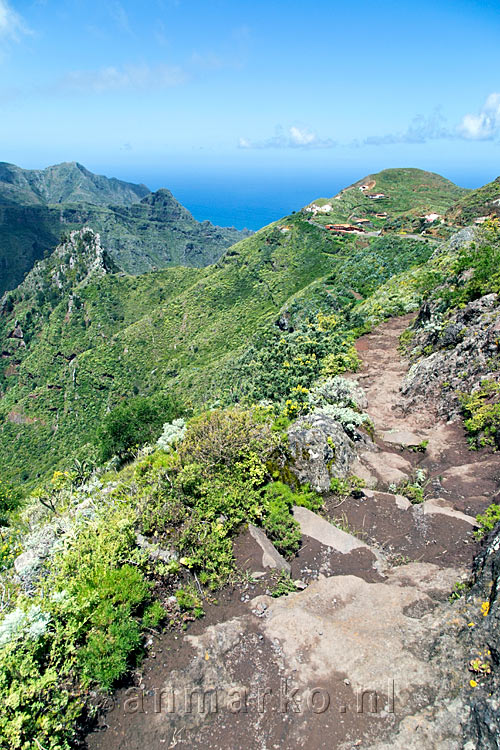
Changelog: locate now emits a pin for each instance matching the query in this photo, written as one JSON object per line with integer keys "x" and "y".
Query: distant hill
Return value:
{"x": 485, "y": 201}
{"x": 69, "y": 182}
{"x": 141, "y": 230}
{"x": 393, "y": 199}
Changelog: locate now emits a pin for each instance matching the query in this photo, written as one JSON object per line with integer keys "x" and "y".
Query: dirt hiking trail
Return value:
{"x": 346, "y": 661}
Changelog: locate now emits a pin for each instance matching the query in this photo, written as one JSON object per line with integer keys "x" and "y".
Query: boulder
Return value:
{"x": 320, "y": 450}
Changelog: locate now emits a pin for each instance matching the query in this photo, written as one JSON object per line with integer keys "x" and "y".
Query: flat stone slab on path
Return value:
{"x": 405, "y": 438}
{"x": 271, "y": 558}
{"x": 326, "y": 533}
{"x": 378, "y": 467}
{"x": 439, "y": 506}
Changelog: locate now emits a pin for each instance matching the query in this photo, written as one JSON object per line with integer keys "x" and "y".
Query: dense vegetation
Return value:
{"x": 485, "y": 201}
{"x": 90, "y": 341}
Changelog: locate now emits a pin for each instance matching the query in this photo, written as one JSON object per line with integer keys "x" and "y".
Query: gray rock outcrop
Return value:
{"x": 320, "y": 450}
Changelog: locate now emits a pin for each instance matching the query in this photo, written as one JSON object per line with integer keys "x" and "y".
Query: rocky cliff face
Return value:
{"x": 464, "y": 348}
{"x": 77, "y": 260}
{"x": 141, "y": 230}
{"x": 482, "y": 731}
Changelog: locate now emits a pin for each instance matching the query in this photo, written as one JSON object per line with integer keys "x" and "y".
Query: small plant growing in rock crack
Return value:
{"x": 479, "y": 666}
{"x": 284, "y": 585}
{"x": 487, "y": 521}
{"x": 396, "y": 560}
{"x": 346, "y": 487}
{"x": 413, "y": 488}
{"x": 460, "y": 588}
{"x": 189, "y": 601}
{"x": 420, "y": 448}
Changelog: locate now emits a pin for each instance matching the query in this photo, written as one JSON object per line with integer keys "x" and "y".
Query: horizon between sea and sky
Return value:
{"x": 249, "y": 111}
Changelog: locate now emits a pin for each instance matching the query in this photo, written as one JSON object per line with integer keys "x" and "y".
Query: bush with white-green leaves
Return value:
{"x": 337, "y": 391}
{"x": 341, "y": 399}
{"x": 31, "y": 624}
{"x": 173, "y": 433}
{"x": 349, "y": 419}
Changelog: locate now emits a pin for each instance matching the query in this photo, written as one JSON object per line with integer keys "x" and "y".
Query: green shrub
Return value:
{"x": 278, "y": 522}
{"x": 153, "y": 616}
{"x": 222, "y": 437}
{"x": 135, "y": 422}
{"x": 104, "y": 658}
{"x": 342, "y": 361}
{"x": 481, "y": 259}
{"x": 207, "y": 550}
{"x": 10, "y": 500}
{"x": 189, "y": 601}
{"x": 488, "y": 520}
{"x": 101, "y": 610}
{"x": 414, "y": 488}
{"x": 344, "y": 487}
{"x": 284, "y": 585}
{"x": 37, "y": 710}
{"x": 482, "y": 412}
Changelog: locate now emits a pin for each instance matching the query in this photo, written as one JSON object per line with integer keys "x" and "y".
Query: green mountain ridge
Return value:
{"x": 141, "y": 230}
{"x": 68, "y": 182}
{"x": 83, "y": 349}
{"x": 476, "y": 204}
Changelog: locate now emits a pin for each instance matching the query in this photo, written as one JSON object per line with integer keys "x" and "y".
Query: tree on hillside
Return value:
{"x": 135, "y": 422}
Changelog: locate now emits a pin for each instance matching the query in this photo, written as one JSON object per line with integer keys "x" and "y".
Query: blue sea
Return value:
{"x": 247, "y": 202}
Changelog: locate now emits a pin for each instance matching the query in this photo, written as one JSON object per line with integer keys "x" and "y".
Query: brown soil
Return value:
{"x": 253, "y": 659}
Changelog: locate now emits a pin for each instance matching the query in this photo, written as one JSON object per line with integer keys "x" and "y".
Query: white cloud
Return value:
{"x": 292, "y": 137}
{"x": 128, "y": 77}
{"x": 11, "y": 23}
{"x": 420, "y": 130}
{"x": 484, "y": 125}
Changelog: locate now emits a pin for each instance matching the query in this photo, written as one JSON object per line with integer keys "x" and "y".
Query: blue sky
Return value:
{"x": 177, "y": 92}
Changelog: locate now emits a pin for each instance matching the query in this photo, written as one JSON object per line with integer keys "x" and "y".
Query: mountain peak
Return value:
{"x": 68, "y": 182}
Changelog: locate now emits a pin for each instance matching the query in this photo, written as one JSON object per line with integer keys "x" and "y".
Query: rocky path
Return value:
{"x": 458, "y": 483}
{"x": 345, "y": 662}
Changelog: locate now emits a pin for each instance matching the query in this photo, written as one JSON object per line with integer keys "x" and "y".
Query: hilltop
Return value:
{"x": 142, "y": 230}
{"x": 391, "y": 200}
